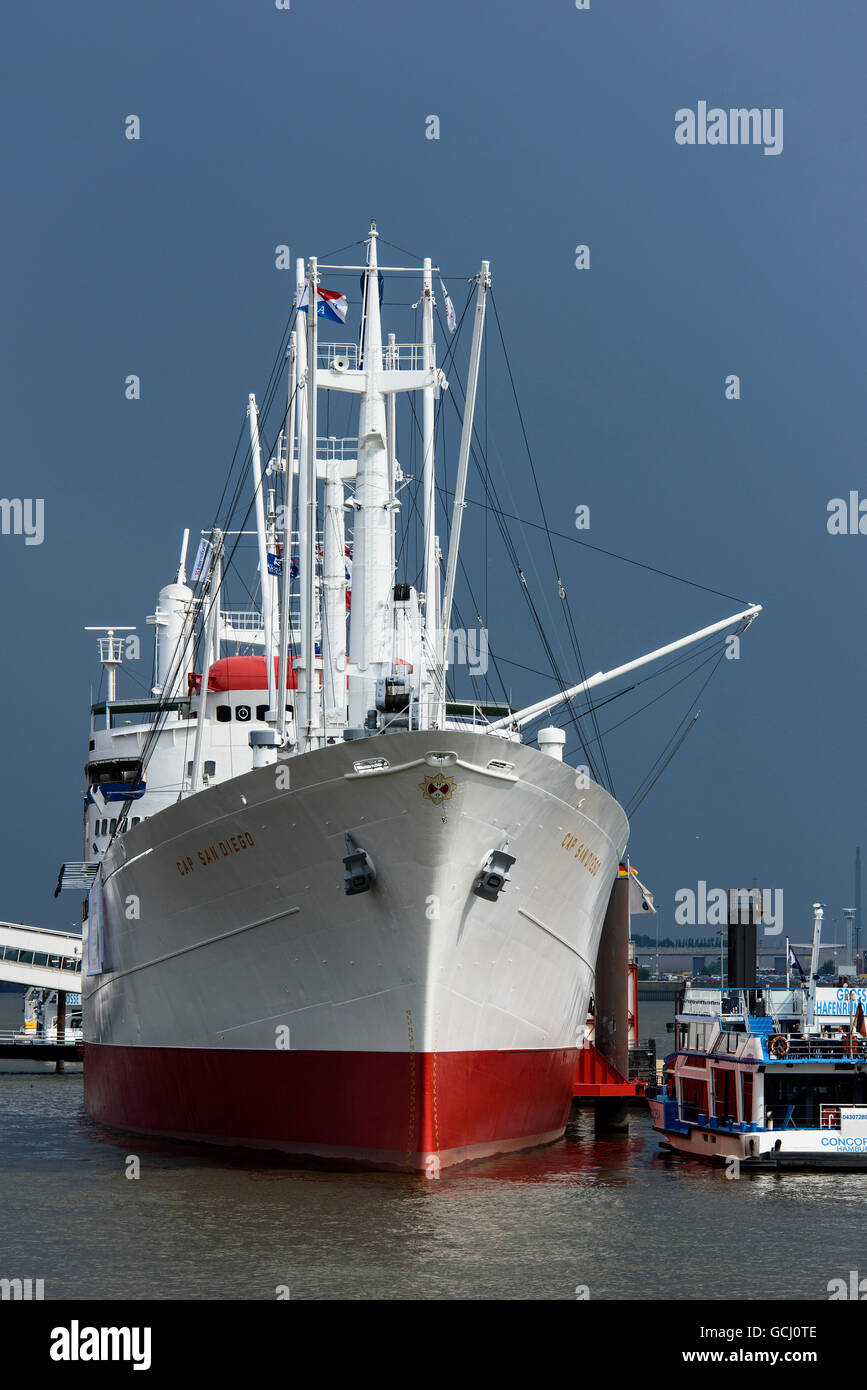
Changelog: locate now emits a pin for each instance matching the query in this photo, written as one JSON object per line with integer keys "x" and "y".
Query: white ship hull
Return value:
{"x": 244, "y": 999}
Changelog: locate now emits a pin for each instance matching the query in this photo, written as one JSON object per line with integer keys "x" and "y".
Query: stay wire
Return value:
{"x": 576, "y": 646}
{"x": 511, "y": 550}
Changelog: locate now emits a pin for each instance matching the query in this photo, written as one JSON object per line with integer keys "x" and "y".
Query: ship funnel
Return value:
{"x": 745, "y": 911}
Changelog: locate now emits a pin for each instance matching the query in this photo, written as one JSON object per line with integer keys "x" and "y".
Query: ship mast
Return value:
{"x": 484, "y": 283}
{"x": 266, "y": 586}
{"x": 818, "y": 915}
{"x": 380, "y": 642}
{"x": 307, "y": 510}
{"x": 288, "y": 493}
{"x": 373, "y": 577}
{"x": 210, "y": 653}
{"x": 431, "y": 577}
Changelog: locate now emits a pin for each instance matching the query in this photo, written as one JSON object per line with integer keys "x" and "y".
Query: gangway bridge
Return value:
{"x": 40, "y": 957}
{"x": 49, "y": 962}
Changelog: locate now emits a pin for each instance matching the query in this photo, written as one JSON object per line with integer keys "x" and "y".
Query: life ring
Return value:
{"x": 778, "y": 1046}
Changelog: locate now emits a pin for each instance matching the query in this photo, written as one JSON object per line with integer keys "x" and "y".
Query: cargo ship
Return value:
{"x": 331, "y": 911}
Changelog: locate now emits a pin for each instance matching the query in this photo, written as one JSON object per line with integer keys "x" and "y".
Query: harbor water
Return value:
{"x": 606, "y": 1220}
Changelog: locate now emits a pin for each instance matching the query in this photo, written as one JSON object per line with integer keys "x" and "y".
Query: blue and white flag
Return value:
{"x": 451, "y": 319}
{"x": 275, "y": 564}
{"x": 330, "y": 304}
{"x": 795, "y": 964}
{"x": 203, "y": 561}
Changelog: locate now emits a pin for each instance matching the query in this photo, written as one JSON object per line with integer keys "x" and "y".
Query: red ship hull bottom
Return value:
{"x": 412, "y": 1111}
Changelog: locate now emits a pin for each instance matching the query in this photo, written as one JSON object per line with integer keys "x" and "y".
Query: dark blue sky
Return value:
{"x": 261, "y": 127}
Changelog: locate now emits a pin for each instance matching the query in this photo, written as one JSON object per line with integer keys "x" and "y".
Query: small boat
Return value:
{"x": 769, "y": 1077}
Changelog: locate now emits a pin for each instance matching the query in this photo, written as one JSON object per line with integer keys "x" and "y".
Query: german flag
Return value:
{"x": 859, "y": 1024}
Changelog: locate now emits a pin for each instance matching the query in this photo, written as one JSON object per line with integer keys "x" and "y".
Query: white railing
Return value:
{"x": 243, "y": 619}
{"x": 71, "y": 1035}
{"x": 396, "y": 357}
{"x": 328, "y": 448}
{"x": 110, "y": 649}
{"x": 404, "y": 356}
{"x": 343, "y": 356}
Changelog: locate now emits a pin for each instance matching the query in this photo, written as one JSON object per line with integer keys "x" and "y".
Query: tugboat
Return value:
{"x": 771, "y": 1078}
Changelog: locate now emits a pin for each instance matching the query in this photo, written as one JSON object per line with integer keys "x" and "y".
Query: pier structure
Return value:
{"x": 602, "y": 1076}
{"x": 46, "y": 963}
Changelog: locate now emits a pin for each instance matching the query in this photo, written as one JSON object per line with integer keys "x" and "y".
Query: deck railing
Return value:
{"x": 395, "y": 357}
{"x": 824, "y": 1050}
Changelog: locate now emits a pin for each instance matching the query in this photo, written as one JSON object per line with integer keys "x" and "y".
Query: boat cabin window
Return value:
{"x": 693, "y": 1097}
{"x": 261, "y": 712}
{"x": 129, "y": 714}
{"x": 224, "y": 714}
{"x": 725, "y": 1093}
{"x": 747, "y": 1096}
{"x": 209, "y": 768}
{"x": 696, "y": 1037}
{"x": 807, "y": 1094}
{"x": 118, "y": 770}
{"x": 242, "y": 712}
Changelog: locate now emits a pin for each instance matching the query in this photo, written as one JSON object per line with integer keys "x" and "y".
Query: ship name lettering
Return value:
{"x": 212, "y": 853}
{"x": 583, "y": 853}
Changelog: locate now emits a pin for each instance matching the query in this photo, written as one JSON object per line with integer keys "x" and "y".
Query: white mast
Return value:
{"x": 463, "y": 460}
{"x": 372, "y": 577}
{"x": 182, "y": 564}
{"x": 306, "y": 378}
{"x": 334, "y": 604}
{"x": 818, "y": 914}
{"x": 288, "y": 493}
{"x": 375, "y": 376}
{"x": 267, "y": 596}
{"x": 391, "y": 362}
{"x": 111, "y": 656}
{"x": 431, "y": 577}
{"x": 308, "y": 541}
{"x": 211, "y": 639}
